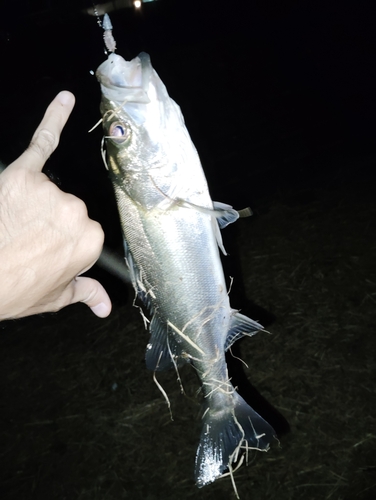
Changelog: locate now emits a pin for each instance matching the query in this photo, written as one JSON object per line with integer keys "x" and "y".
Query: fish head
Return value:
{"x": 141, "y": 122}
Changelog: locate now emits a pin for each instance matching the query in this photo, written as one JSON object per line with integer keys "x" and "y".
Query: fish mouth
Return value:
{"x": 125, "y": 81}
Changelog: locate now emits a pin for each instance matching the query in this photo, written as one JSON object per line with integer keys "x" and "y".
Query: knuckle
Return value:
{"x": 91, "y": 295}
{"x": 73, "y": 208}
{"x": 97, "y": 231}
{"x": 95, "y": 237}
{"x": 44, "y": 143}
{"x": 78, "y": 205}
{"x": 91, "y": 231}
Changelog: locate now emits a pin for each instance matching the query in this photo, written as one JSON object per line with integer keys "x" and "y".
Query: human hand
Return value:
{"x": 46, "y": 236}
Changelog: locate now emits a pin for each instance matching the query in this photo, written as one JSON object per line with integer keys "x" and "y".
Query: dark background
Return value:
{"x": 266, "y": 88}
{"x": 279, "y": 100}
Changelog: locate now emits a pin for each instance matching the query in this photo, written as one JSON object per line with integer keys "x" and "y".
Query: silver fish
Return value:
{"x": 171, "y": 231}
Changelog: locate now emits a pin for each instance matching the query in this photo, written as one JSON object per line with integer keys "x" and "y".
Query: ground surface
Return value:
{"x": 82, "y": 417}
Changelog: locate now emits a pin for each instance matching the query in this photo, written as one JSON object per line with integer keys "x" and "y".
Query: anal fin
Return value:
{"x": 163, "y": 351}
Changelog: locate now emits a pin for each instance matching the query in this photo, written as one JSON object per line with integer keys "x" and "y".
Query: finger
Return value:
{"x": 92, "y": 293}
{"x": 47, "y": 135}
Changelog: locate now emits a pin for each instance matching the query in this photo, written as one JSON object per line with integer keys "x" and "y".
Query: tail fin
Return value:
{"x": 224, "y": 433}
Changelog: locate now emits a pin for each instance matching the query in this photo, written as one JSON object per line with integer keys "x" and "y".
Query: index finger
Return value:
{"x": 47, "y": 135}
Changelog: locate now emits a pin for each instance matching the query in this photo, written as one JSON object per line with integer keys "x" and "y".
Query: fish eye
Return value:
{"x": 119, "y": 132}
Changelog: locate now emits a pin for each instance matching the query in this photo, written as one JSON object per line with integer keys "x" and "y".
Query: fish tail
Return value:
{"x": 225, "y": 435}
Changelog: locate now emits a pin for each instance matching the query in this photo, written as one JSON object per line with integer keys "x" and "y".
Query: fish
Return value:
{"x": 172, "y": 244}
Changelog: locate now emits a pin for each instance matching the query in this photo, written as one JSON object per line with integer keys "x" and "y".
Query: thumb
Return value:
{"x": 92, "y": 293}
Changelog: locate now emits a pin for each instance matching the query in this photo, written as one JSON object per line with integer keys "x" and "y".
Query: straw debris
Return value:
{"x": 82, "y": 418}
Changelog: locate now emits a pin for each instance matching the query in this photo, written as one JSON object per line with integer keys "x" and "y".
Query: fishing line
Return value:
{"x": 106, "y": 25}
{"x": 99, "y": 22}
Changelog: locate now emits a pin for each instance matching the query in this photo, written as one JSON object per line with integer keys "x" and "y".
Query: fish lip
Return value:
{"x": 125, "y": 81}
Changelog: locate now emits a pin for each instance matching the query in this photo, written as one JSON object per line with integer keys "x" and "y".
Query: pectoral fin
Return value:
{"x": 224, "y": 214}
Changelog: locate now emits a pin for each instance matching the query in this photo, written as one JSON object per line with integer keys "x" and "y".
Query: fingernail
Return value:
{"x": 64, "y": 97}
{"x": 101, "y": 310}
